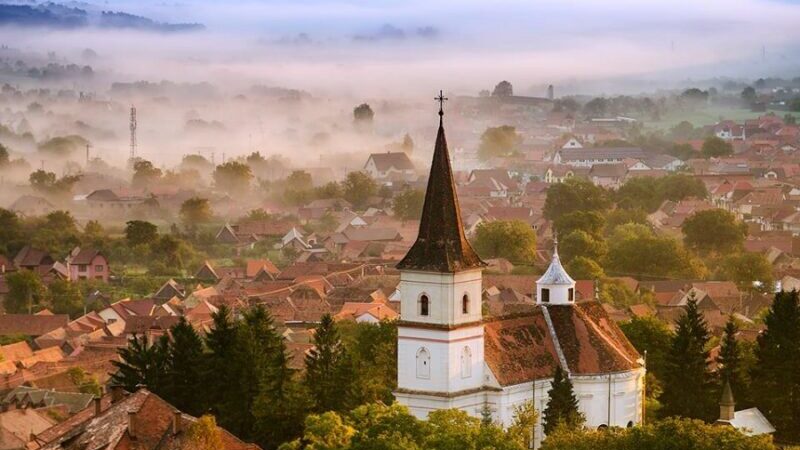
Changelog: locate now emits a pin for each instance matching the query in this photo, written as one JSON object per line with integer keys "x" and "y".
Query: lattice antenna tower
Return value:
{"x": 133, "y": 132}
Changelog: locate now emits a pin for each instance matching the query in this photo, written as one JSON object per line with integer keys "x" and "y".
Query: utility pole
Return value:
{"x": 88, "y": 146}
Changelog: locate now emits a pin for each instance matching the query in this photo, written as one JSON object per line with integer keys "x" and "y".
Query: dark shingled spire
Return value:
{"x": 441, "y": 245}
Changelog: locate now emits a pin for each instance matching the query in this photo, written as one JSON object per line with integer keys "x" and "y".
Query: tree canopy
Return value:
{"x": 513, "y": 240}
{"x": 714, "y": 230}
{"x": 499, "y": 141}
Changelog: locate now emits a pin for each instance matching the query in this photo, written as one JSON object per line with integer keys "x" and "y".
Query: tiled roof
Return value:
{"x": 31, "y": 325}
{"x": 386, "y": 161}
{"x": 598, "y": 153}
{"x": 522, "y": 349}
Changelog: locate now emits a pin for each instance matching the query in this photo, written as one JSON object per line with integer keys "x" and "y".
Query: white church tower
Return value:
{"x": 440, "y": 334}
{"x": 555, "y": 287}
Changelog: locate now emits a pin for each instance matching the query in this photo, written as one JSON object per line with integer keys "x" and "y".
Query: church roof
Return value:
{"x": 441, "y": 245}
{"x": 522, "y": 348}
{"x": 556, "y": 274}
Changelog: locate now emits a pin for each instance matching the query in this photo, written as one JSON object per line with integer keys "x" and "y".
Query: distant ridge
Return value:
{"x": 59, "y": 16}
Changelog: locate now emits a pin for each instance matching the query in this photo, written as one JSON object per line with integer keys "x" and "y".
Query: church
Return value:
{"x": 451, "y": 356}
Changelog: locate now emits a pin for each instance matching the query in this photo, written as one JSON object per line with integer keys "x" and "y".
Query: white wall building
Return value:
{"x": 450, "y": 356}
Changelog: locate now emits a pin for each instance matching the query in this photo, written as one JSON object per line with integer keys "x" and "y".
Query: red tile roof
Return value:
{"x": 522, "y": 349}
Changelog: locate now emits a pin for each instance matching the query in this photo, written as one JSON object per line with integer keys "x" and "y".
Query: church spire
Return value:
{"x": 441, "y": 245}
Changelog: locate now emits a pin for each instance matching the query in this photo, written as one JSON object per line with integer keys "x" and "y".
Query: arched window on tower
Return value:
{"x": 424, "y": 305}
{"x": 423, "y": 363}
{"x": 465, "y": 304}
{"x": 466, "y": 363}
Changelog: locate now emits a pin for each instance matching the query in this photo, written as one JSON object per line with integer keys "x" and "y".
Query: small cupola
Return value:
{"x": 555, "y": 287}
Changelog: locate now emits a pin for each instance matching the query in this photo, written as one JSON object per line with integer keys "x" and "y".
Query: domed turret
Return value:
{"x": 555, "y": 287}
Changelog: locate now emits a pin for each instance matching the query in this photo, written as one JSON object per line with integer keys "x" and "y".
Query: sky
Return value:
{"x": 405, "y": 46}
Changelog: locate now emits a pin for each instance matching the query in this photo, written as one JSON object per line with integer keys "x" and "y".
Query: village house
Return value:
{"x": 87, "y": 264}
{"x": 587, "y": 157}
{"x": 388, "y": 167}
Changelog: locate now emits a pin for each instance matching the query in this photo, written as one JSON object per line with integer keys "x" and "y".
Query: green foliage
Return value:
{"x": 86, "y": 383}
{"x": 65, "y": 297}
{"x": 183, "y": 374}
{"x": 687, "y": 383}
{"x": 57, "y": 232}
{"x": 140, "y": 232}
{"x": 562, "y": 406}
{"x": 142, "y": 364}
{"x": 714, "y": 147}
{"x": 514, "y": 240}
{"x": 12, "y": 235}
{"x": 714, "y": 230}
{"x": 651, "y": 335}
{"x": 649, "y": 193}
{"x": 751, "y": 272}
{"x": 204, "y": 434}
{"x": 373, "y": 353}
{"x": 358, "y": 188}
{"x": 620, "y": 216}
{"x": 668, "y": 434}
{"x": 298, "y": 188}
{"x": 499, "y": 141}
{"x": 25, "y": 292}
{"x": 579, "y": 243}
{"x": 329, "y": 369}
{"x": 730, "y": 366}
{"x": 776, "y": 371}
{"x": 634, "y": 250}
{"x": 4, "y": 157}
{"x": 590, "y": 222}
{"x": 63, "y": 146}
{"x": 583, "y": 268}
{"x": 233, "y": 177}
{"x": 408, "y": 204}
{"x": 616, "y": 293}
{"x": 574, "y": 195}
{"x": 381, "y": 427}
{"x": 363, "y": 113}
{"x": 195, "y": 211}
{"x": 145, "y": 174}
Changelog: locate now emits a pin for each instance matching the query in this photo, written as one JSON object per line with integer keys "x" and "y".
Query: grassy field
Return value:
{"x": 707, "y": 116}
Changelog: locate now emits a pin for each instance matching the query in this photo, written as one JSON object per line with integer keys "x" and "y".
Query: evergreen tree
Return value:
{"x": 220, "y": 367}
{"x": 282, "y": 402}
{"x": 687, "y": 388}
{"x": 562, "y": 407}
{"x": 777, "y": 392}
{"x": 329, "y": 371}
{"x": 142, "y": 364}
{"x": 184, "y": 368}
{"x": 730, "y": 363}
{"x": 257, "y": 342}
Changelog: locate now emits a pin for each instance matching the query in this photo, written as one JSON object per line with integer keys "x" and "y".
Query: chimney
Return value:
{"x": 727, "y": 405}
{"x": 98, "y": 407}
{"x": 117, "y": 393}
{"x": 131, "y": 424}
{"x": 176, "y": 422}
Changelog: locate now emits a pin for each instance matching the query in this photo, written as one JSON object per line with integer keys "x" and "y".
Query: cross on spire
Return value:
{"x": 441, "y": 99}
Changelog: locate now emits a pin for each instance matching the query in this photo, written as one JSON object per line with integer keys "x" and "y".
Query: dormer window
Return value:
{"x": 424, "y": 305}
{"x": 465, "y": 304}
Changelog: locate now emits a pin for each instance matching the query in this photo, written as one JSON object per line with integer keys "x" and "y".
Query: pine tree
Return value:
{"x": 141, "y": 364}
{"x": 562, "y": 406}
{"x": 184, "y": 368}
{"x": 220, "y": 367}
{"x": 730, "y": 363}
{"x": 257, "y": 343}
{"x": 688, "y": 390}
{"x": 329, "y": 371}
{"x": 777, "y": 390}
{"x": 282, "y": 403}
